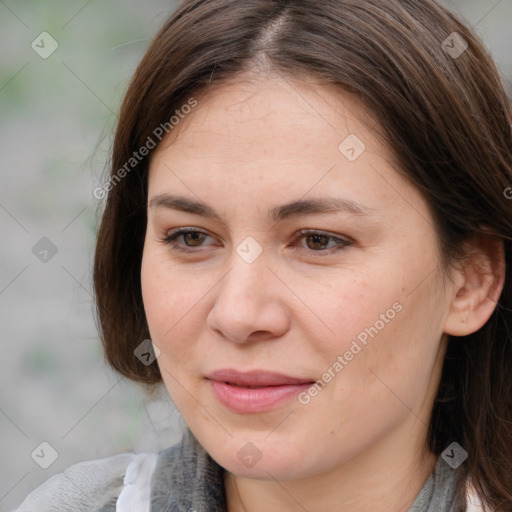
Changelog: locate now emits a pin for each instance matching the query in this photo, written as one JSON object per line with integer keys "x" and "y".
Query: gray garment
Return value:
{"x": 185, "y": 479}
{"x": 438, "y": 492}
{"x": 91, "y": 486}
{"x": 178, "y": 466}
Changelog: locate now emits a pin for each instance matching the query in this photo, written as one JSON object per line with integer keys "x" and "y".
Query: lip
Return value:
{"x": 256, "y": 390}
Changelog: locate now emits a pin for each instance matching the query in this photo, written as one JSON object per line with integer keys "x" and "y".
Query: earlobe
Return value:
{"x": 478, "y": 286}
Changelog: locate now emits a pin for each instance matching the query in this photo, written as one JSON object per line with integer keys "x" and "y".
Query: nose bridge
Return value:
{"x": 247, "y": 280}
{"x": 248, "y": 264}
{"x": 246, "y": 300}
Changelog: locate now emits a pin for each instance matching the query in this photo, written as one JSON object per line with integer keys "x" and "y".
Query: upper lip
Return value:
{"x": 255, "y": 378}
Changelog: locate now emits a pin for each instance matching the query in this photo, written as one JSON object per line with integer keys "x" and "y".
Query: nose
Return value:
{"x": 250, "y": 303}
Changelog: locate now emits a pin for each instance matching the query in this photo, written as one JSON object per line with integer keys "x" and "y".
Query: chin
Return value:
{"x": 259, "y": 459}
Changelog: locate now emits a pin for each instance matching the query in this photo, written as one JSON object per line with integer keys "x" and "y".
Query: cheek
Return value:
{"x": 394, "y": 368}
{"x": 348, "y": 307}
{"x": 172, "y": 303}
{"x": 380, "y": 322}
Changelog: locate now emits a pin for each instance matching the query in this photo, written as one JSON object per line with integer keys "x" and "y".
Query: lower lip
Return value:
{"x": 247, "y": 400}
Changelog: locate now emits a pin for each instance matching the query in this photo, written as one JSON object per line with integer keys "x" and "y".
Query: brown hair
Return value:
{"x": 447, "y": 119}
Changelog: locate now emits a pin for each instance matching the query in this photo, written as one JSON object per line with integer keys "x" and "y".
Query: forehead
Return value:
{"x": 277, "y": 139}
{"x": 272, "y": 116}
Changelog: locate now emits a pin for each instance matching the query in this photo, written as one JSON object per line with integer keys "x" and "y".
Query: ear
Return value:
{"x": 479, "y": 280}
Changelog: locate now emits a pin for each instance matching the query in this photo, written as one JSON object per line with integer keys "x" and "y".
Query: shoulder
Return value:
{"x": 92, "y": 486}
{"x": 182, "y": 474}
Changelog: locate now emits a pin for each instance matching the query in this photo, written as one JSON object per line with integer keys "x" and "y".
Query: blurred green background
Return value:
{"x": 56, "y": 121}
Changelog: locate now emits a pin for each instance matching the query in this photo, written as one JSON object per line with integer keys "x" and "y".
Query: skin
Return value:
{"x": 247, "y": 147}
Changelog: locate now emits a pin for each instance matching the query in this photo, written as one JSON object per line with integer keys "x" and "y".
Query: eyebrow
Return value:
{"x": 297, "y": 208}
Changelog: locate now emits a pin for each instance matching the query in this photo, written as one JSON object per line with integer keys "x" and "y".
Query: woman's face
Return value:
{"x": 311, "y": 260}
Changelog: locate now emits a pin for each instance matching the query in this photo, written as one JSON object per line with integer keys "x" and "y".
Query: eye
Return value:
{"x": 315, "y": 241}
{"x": 191, "y": 238}
{"x": 321, "y": 242}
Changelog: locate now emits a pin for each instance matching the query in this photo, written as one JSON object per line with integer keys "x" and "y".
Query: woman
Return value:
{"x": 308, "y": 214}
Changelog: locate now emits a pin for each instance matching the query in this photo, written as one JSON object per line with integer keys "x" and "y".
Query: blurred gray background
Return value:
{"x": 57, "y": 114}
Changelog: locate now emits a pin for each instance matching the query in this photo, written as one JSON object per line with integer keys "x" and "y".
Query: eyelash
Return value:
{"x": 342, "y": 243}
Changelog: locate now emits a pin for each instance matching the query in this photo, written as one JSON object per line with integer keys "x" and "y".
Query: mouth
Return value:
{"x": 255, "y": 391}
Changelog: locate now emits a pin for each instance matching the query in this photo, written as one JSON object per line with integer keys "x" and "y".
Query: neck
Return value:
{"x": 382, "y": 475}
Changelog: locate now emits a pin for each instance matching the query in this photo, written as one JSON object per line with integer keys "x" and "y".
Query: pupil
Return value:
{"x": 318, "y": 240}
{"x": 193, "y": 237}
